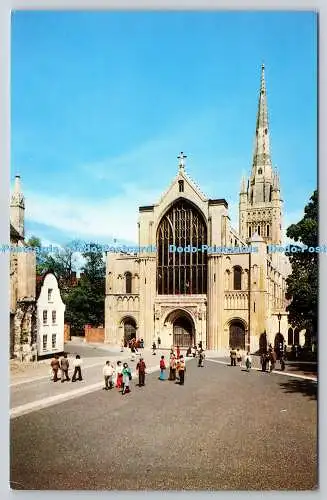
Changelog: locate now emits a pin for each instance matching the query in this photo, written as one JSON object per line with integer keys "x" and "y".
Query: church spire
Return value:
{"x": 261, "y": 156}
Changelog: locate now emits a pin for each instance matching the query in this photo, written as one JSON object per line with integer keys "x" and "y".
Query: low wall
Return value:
{"x": 94, "y": 334}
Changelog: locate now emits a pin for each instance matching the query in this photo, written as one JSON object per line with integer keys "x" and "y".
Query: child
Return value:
{"x": 162, "y": 368}
{"x": 127, "y": 377}
{"x": 119, "y": 375}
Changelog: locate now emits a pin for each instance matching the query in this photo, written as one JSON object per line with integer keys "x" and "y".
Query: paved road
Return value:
{"x": 225, "y": 429}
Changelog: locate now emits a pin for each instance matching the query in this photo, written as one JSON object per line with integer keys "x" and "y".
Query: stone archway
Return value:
{"x": 130, "y": 327}
{"x": 237, "y": 334}
{"x": 182, "y": 328}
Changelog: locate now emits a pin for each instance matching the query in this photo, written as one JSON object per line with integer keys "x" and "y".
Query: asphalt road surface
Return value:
{"x": 224, "y": 430}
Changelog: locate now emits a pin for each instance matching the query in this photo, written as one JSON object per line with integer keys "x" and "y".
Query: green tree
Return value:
{"x": 85, "y": 303}
{"x": 302, "y": 283}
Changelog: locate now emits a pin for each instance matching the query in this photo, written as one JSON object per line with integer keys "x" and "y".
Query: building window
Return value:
{"x": 44, "y": 342}
{"x": 249, "y": 231}
{"x": 260, "y": 171}
{"x": 54, "y": 340}
{"x": 296, "y": 336}
{"x": 268, "y": 230}
{"x": 237, "y": 278}
{"x": 259, "y": 230}
{"x": 45, "y": 317}
{"x": 181, "y": 186}
{"x": 54, "y": 317}
{"x": 128, "y": 282}
{"x": 181, "y": 273}
{"x": 49, "y": 294}
{"x": 290, "y": 336}
{"x": 254, "y": 307}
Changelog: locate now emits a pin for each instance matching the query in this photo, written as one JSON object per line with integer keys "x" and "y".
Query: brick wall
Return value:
{"x": 94, "y": 334}
{"x": 66, "y": 332}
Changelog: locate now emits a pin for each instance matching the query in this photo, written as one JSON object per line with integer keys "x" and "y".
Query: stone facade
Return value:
{"x": 23, "y": 329}
{"x": 221, "y": 298}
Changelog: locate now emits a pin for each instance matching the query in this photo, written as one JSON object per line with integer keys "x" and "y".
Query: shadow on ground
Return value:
{"x": 306, "y": 387}
{"x": 309, "y": 368}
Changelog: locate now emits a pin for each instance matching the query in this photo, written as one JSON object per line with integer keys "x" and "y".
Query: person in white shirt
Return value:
{"x": 77, "y": 363}
{"x": 108, "y": 372}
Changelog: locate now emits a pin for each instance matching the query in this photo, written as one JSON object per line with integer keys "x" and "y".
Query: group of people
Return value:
{"x": 269, "y": 358}
{"x": 62, "y": 366}
{"x": 236, "y": 358}
{"x": 176, "y": 367}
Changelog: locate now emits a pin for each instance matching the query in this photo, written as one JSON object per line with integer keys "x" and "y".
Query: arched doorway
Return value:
{"x": 129, "y": 329}
{"x": 183, "y": 332}
{"x": 182, "y": 327}
{"x": 236, "y": 335}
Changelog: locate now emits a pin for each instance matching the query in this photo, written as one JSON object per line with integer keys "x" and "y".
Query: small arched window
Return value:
{"x": 259, "y": 230}
{"x": 249, "y": 231}
{"x": 260, "y": 171}
{"x": 237, "y": 278}
{"x": 128, "y": 282}
{"x": 297, "y": 336}
{"x": 267, "y": 230}
{"x": 290, "y": 336}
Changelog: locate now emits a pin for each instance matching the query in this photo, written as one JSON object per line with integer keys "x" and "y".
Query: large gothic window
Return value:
{"x": 181, "y": 273}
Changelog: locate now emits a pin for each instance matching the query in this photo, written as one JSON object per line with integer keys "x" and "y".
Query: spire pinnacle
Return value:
{"x": 181, "y": 164}
{"x": 261, "y": 156}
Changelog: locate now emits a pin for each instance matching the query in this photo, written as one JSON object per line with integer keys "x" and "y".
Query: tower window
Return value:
{"x": 260, "y": 171}
{"x": 249, "y": 231}
{"x": 181, "y": 186}
{"x": 267, "y": 229}
{"x": 266, "y": 131}
{"x": 259, "y": 230}
{"x": 128, "y": 282}
{"x": 237, "y": 278}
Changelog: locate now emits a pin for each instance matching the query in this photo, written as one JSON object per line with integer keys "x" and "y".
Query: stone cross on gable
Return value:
{"x": 181, "y": 158}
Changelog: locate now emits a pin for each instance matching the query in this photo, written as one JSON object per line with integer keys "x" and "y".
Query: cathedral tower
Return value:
{"x": 17, "y": 208}
{"x": 260, "y": 204}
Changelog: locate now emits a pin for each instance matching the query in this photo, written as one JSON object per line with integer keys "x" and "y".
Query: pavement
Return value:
{"x": 226, "y": 429}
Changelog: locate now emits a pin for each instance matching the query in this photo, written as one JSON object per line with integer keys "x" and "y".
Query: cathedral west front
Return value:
{"x": 196, "y": 278}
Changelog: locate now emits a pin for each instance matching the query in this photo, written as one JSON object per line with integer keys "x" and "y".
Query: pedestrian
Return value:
{"x": 159, "y": 342}
{"x": 239, "y": 358}
{"x": 64, "y": 366}
{"x": 272, "y": 360}
{"x": 142, "y": 344}
{"x": 119, "y": 375}
{"x": 193, "y": 351}
{"x": 263, "y": 361}
{"x": 127, "y": 377}
{"x": 77, "y": 364}
{"x": 55, "y": 367}
{"x": 108, "y": 373}
{"x": 201, "y": 359}
{"x": 172, "y": 367}
{"x": 233, "y": 356}
{"x": 178, "y": 352}
{"x": 154, "y": 347}
{"x": 162, "y": 368}
{"x": 140, "y": 368}
{"x": 248, "y": 361}
{"x": 181, "y": 370}
{"x": 122, "y": 345}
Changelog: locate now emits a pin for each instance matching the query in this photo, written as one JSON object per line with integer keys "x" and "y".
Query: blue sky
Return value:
{"x": 102, "y": 103}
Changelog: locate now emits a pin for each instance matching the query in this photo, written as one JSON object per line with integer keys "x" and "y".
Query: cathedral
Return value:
{"x": 197, "y": 279}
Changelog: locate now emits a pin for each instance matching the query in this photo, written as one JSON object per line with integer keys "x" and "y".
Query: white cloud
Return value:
{"x": 106, "y": 219}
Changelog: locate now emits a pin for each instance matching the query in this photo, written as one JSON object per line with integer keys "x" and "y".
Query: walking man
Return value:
{"x": 108, "y": 372}
{"x": 140, "y": 368}
{"x": 55, "y": 367}
{"x": 233, "y": 356}
{"x": 77, "y": 368}
{"x": 64, "y": 366}
{"x": 248, "y": 361}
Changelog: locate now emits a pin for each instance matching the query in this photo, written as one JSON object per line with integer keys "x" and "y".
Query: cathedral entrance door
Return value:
{"x": 183, "y": 332}
{"x": 236, "y": 335}
{"x": 129, "y": 329}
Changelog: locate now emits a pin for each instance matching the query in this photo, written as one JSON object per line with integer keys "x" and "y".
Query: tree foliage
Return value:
{"x": 302, "y": 284}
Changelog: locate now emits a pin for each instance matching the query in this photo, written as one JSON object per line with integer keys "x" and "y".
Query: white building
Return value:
{"x": 50, "y": 317}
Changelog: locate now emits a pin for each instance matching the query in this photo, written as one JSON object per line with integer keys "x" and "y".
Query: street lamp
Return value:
{"x": 279, "y": 317}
